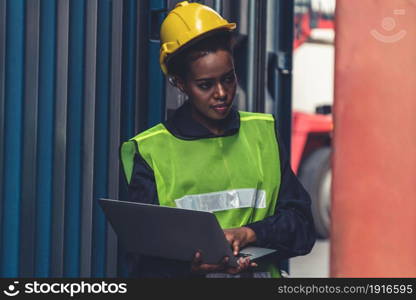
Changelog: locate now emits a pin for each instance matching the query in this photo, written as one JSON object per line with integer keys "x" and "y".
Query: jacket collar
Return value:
{"x": 183, "y": 126}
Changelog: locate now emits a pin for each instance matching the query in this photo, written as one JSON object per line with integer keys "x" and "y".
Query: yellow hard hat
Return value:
{"x": 186, "y": 22}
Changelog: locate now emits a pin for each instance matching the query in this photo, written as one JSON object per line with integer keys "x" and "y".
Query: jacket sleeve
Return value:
{"x": 290, "y": 230}
{"x": 142, "y": 187}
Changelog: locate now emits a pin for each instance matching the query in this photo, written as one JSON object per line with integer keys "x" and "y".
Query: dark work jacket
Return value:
{"x": 290, "y": 230}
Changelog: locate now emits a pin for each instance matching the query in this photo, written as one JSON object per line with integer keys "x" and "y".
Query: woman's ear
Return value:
{"x": 180, "y": 84}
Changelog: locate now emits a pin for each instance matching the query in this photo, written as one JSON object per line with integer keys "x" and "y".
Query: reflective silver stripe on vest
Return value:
{"x": 253, "y": 275}
{"x": 225, "y": 200}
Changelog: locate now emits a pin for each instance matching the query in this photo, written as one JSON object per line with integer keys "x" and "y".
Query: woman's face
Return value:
{"x": 211, "y": 84}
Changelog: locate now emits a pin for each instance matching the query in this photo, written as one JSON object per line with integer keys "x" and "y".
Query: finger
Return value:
{"x": 248, "y": 263}
{"x": 206, "y": 268}
{"x": 242, "y": 266}
{"x": 213, "y": 267}
{"x": 228, "y": 236}
{"x": 245, "y": 263}
{"x": 238, "y": 268}
{"x": 197, "y": 258}
{"x": 236, "y": 247}
{"x": 240, "y": 261}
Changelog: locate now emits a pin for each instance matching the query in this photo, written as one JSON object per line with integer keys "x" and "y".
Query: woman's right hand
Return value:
{"x": 198, "y": 267}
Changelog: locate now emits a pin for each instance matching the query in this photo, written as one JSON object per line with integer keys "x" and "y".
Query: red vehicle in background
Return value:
{"x": 311, "y": 14}
{"x": 312, "y": 133}
{"x": 311, "y": 161}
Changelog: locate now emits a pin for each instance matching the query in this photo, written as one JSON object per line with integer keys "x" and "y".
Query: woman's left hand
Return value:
{"x": 239, "y": 237}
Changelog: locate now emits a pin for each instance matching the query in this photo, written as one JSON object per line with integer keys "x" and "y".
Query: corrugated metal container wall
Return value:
{"x": 70, "y": 77}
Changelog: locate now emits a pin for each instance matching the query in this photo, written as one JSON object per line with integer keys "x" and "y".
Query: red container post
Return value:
{"x": 373, "y": 230}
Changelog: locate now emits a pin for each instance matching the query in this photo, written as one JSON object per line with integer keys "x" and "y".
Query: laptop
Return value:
{"x": 173, "y": 233}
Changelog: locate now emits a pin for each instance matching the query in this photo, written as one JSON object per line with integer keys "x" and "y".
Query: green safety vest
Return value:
{"x": 236, "y": 177}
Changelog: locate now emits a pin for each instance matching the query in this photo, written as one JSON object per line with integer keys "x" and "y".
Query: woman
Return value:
{"x": 209, "y": 156}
